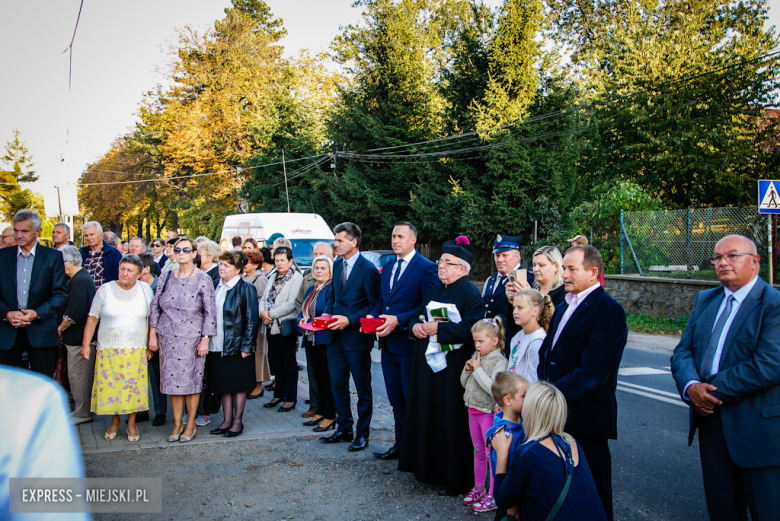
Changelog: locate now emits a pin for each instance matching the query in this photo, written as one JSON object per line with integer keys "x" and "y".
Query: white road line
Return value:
{"x": 653, "y": 396}
{"x": 673, "y": 395}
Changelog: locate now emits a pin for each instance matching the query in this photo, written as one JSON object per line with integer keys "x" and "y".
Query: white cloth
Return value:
{"x": 216, "y": 343}
{"x": 406, "y": 260}
{"x": 123, "y": 315}
{"x": 524, "y": 353}
{"x": 573, "y": 301}
{"x": 38, "y": 441}
{"x": 433, "y": 354}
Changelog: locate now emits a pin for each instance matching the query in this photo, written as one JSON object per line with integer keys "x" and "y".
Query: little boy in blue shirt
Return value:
{"x": 509, "y": 391}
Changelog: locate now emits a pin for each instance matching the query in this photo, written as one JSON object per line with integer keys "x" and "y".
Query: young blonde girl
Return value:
{"x": 477, "y": 378}
{"x": 532, "y": 312}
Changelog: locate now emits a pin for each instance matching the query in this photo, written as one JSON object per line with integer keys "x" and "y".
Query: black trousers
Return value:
{"x": 41, "y": 359}
{"x": 600, "y": 461}
{"x": 281, "y": 349}
{"x": 342, "y": 363}
{"x": 318, "y": 358}
{"x": 731, "y": 490}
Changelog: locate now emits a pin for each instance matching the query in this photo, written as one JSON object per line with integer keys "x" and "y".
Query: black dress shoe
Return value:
{"x": 285, "y": 409}
{"x": 392, "y": 453}
{"x": 312, "y": 423}
{"x": 142, "y": 416}
{"x": 233, "y": 434}
{"x": 337, "y": 437}
{"x": 159, "y": 420}
{"x": 272, "y": 403}
{"x": 218, "y": 431}
{"x": 360, "y": 443}
{"x": 269, "y": 387}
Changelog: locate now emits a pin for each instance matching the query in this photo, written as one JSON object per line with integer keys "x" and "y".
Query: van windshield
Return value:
{"x": 302, "y": 251}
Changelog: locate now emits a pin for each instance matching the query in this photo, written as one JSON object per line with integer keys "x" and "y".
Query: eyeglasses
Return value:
{"x": 450, "y": 264}
{"x": 156, "y": 245}
{"x": 731, "y": 257}
{"x": 182, "y": 250}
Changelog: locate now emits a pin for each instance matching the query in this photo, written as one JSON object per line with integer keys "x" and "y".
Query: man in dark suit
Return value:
{"x": 351, "y": 296}
{"x": 405, "y": 281}
{"x": 727, "y": 367}
{"x": 581, "y": 355}
{"x": 32, "y": 297}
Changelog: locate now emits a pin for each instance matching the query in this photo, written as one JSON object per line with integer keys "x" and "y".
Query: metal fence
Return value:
{"x": 679, "y": 243}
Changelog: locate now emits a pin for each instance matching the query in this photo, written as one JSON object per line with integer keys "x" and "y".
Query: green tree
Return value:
{"x": 680, "y": 89}
{"x": 391, "y": 99}
{"x": 19, "y": 170}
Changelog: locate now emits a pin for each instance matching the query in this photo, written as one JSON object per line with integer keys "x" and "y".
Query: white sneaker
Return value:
{"x": 200, "y": 421}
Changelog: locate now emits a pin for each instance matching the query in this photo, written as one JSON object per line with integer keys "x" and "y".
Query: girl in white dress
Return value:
{"x": 532, "y": 312}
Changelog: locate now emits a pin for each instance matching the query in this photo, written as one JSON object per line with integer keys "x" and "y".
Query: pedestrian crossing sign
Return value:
{"x": 769, "y": 196}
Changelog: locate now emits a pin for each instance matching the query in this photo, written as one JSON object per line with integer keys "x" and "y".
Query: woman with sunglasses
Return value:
{"x": 183, "y": 319}
{"x": 158, "y": 250}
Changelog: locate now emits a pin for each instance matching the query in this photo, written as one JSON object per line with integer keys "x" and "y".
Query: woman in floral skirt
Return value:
{"x": 122, "y": 308}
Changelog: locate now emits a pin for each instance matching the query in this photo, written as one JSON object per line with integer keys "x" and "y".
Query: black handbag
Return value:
{"x": 290, "y": 327}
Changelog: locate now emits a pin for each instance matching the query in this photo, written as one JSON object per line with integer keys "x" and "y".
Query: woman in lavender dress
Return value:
{"x": 182, "y": 320}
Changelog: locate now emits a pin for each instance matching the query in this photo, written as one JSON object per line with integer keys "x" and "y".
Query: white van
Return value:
{"x": 303, "y": 229}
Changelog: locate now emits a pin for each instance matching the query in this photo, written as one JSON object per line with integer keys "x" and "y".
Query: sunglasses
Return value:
{"x": 156, "y": 245}
{"x": 182, "y": 250}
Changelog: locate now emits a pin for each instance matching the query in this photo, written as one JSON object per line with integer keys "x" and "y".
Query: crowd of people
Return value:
{"x": 507, "y": 397}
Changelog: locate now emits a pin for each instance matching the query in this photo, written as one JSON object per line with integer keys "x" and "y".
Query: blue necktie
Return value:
{"x": 397, "y": 273}
{"x": 709, "y": 355}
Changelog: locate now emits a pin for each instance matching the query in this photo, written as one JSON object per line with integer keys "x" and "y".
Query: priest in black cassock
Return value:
{"x": 436, "y": 445}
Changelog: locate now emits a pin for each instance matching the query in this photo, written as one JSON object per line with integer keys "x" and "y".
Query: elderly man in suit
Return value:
{"x": 405, "y": 282}
{"x": 32, "y": 297}
{"x": 727, "y": 367}
{"x": 581, "y": 355}
{"x": 352, "y": 295}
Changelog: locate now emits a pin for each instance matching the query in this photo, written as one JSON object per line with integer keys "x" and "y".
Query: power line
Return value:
{"x": 70, "y": 47}
{"x": 184, "y": 176}
{"x": 559, "y": 113}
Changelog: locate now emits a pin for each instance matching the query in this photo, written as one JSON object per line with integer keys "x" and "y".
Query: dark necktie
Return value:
{"x": 499, "y": 280}
{"x": 343, "y": 273}
{"x": 400, "y": 263}
{"x": 709, "y": 355}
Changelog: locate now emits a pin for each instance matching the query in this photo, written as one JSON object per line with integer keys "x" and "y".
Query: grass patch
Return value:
{"x": 643, "y": 323}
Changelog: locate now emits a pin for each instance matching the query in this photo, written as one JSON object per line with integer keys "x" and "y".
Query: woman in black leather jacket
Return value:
{"x": 230, "y": 364}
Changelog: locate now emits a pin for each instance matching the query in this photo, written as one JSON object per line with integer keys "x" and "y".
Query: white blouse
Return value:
{"x": 123, "y": 315}
{"x": 524, "y": 353}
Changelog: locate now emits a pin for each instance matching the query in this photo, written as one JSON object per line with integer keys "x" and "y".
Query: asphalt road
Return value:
{"x": 656, "y": 476}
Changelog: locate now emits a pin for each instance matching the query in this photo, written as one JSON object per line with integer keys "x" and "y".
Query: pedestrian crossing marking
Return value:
{"x": 640, "y": 371}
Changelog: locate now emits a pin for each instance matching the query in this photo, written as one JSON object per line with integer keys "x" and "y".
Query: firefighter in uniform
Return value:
{"x": 506, "y": 253}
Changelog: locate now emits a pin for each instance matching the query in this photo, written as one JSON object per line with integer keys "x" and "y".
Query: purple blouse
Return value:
{"x": 187, "y": 308}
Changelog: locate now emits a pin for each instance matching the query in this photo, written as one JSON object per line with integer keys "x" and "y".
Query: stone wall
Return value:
{"x": 659, "y": 297}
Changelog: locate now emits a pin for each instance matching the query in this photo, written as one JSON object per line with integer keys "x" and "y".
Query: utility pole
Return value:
{"x": 59, "y": 202}
{"x": 287, "y": 191}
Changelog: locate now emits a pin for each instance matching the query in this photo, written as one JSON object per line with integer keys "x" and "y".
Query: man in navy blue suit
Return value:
{"x": 351, "y": 296}
{"x": 581, "y": 355}
{"x": 405, "y": 281}
{"x": 32, "y": 297}
{"x": 727, "y": 367}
